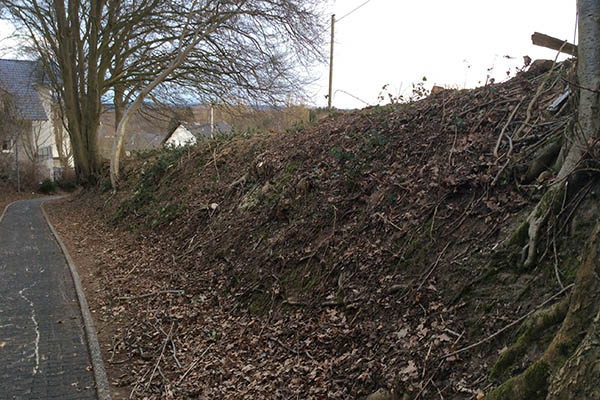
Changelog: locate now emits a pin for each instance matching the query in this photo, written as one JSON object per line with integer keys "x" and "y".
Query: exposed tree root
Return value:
{"x": 584, "y": 304}
{"x": 579, "y": 376}
{"x": 538, "y": 217}
{"x": 545, "y": 159}
{"x": 529, "y": 385}
{"x": 530, "y": 331}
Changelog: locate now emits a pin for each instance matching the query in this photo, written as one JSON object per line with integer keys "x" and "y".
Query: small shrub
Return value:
{"x": 67, "y": 186}
{"x": 47, "y": 186}
{"x": 67, "y": 180}
{"x": 158, "y": 162}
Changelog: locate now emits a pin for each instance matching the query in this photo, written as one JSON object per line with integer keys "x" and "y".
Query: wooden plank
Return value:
{"x": 539, "y": 39}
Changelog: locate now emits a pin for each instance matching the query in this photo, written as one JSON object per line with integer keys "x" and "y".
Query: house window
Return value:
{"x": 45, "y": 153}
{"x": 7, "y": 146}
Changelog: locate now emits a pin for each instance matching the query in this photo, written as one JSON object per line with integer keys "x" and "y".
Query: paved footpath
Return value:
{"x": 43, "y": 349}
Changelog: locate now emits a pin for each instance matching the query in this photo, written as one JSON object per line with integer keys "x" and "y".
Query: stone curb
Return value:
{"x": 102, "y": 387}
{"x": 6, "y": 208}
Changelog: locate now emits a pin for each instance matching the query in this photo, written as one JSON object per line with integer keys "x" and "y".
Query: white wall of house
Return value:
{"x": 21, "y": 150}
{"x": 39, "y": 137}
{"x": 43, "y": 137}
{"x": 181, "y": 137}
{"x": 43, "y": 132}
{"x": 47, "y": 130}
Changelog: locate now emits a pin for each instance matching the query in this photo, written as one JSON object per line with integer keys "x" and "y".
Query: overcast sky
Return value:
{"x": 452, "y": 43}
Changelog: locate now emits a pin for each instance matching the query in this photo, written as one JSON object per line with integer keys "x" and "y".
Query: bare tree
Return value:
{"x": 242, "y": 47}
{"x": 61, "y": 138}
{"x": 36, "y": 146}
{"x": 248, "y": 50}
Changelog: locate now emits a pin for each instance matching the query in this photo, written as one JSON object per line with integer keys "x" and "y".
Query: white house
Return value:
{"x": 29, "y": 90}
{"x": 187, "y": 133}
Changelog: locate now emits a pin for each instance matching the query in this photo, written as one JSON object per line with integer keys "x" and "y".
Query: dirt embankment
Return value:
{"x": 327, "y": 262}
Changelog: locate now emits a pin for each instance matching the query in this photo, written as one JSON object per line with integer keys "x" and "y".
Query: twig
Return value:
{"x": 165, "y": 379}
{"x": 462, "y": 114}
{"x": 556, "y": 260}
{"x": 130, "y": 271}
{"x": 137, "y": 383}
{"x": 430, "y": 379}
{"x": 258, "y": 243}
{"x": 458, "y": 339}
{"x": 162, "y": 352}
{"x": 433, "y": 266}
{"x": 180, "y": 292}
{"x": 453, "y": 145}
{"x": 389, "y": 221}
{"x": 510, "y": 142}
{"x": 215, "y": 162}
{"x": 537, "y": 94}
{"x": 201, "y": 244}
{"x": 502, "y": 132}
{"x": 113, "y": 350}
{"x": 433, "y": 221}
{"x": 484, "y": 340}
{"x": 175, "y": 354}
{"x": 194, "y": 364}
{"x": 585, "y": 192}
{"x": 578, "y": 86}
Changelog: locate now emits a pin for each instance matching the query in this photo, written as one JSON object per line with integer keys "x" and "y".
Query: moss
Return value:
{"x": 259, "y": 304}
{"x": 530, "y": 331}
{"x": 520, "y": 236}
{"x": 552, "y": 200}
{"x": 569, "y": 268}
{"x": 524, "y": 291}
{"x": 488, "y": 307}
{"x": 532, "y": 384}
{"x": 251, "y": 200}
{"x": 487, "y": 273}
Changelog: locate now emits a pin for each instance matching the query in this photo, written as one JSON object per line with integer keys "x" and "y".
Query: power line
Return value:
{"x": 351, "y": 95}
{"x": 353, "y": 11}
{"x": 333, "y": 21}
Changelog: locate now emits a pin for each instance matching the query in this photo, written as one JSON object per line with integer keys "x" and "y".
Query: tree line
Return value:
{"x": 213, "y": 51}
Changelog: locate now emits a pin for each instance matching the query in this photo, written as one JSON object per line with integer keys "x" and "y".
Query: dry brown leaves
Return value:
{"x": 318, "y": 264}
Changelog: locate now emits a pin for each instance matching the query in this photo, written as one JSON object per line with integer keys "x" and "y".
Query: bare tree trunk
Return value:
{"x": 588, "y": 64}
{"x": 569, "y": 367}
{"x": 119, "y": 102}
{"x": 579, "y": 376}
{"x": 17, "y": 163}
{"x": 129, "y": 112}
{"x": 182, "y": 52}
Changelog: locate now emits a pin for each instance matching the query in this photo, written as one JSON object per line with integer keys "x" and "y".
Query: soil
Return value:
{"x": 365, "y": 252}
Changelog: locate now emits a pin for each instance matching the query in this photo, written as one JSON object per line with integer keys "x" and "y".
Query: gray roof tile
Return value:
{"x": 19, "y": 78}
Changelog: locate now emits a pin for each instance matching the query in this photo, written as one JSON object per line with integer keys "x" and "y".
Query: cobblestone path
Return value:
{"x": 43, "y": 349}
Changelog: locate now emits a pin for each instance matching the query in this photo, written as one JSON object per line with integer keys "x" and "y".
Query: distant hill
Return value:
{"x": 151, "y": 125}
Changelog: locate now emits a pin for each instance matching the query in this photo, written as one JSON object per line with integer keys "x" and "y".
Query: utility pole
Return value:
{"x": 17, "y": 163}
{"x": 212, "y": 120}
{"x": 329, "y": 98}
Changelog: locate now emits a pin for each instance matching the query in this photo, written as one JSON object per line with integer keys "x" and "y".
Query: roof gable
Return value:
{"x": 200, "y": 130}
